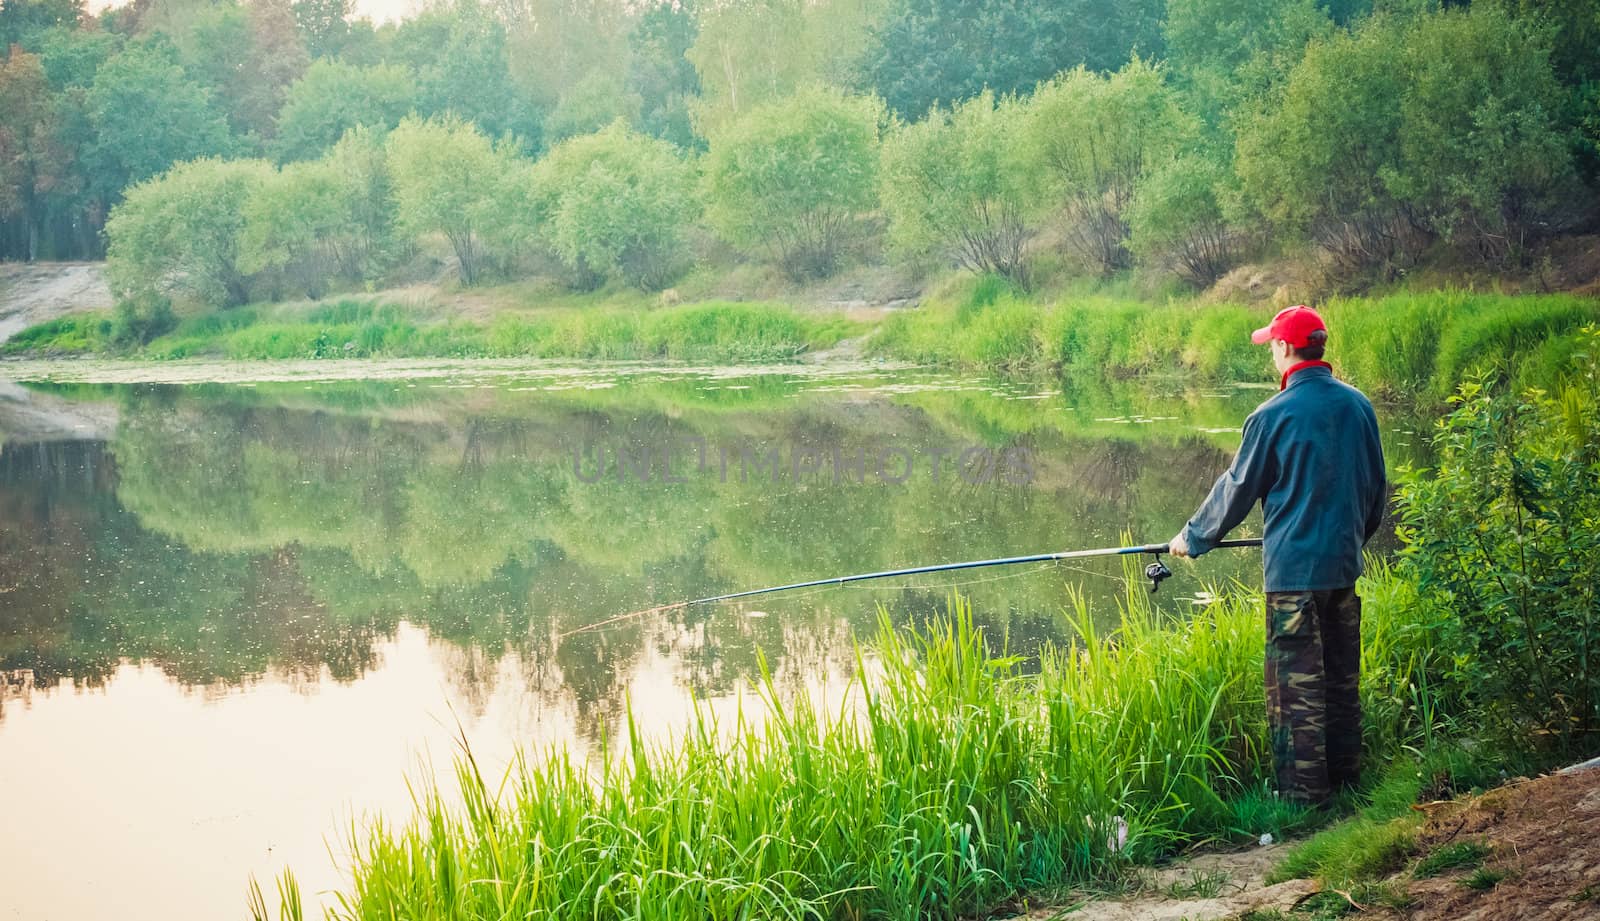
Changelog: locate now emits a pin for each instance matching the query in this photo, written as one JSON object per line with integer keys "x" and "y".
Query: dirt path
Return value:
{"x": 34, "y": 293}
{"x": 1207, "y": 887}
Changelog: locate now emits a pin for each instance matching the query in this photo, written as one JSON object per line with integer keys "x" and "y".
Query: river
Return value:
{"x": 241, "y": 607}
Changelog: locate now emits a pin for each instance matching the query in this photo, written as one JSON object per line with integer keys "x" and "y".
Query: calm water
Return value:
{"x": 234, "y": 617}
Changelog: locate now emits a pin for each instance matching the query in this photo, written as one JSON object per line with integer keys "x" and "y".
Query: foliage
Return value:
{"x": 595, "y": 101}
{"x": 363, "y": 240}
{"x": 1500, "y": 542}
{"x": 1176, "y": 217}
{"x": 180, "y": 232}
{"x": 248, "y": 54}
{"x": 1484, "y": 155}
{"x": 795, "y": 176}
{"x": 617, "y": 203}
{"x": 759, "y": 52}
{"x": 1096, "y": 137}
{"x": 1393, "y": 134}
{"x": 136, "y": 320}
{"x": 1228, "y": 34}
{"x": 933, "y": 53}
{"x": 659, "y": 71}
{"x": 447, "y": 178}
{"x": 147, "y": 114}
{"x": 957, "y": 184}
{"x": 461, "y": 57}
{"x": 333, "y": 97}
{"x": 33, "y": 156}
{"x": 1314, "y": 161}
{"x": 287, "y": 220}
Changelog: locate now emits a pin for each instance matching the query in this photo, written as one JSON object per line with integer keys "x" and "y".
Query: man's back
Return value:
{"x": 1323, "y": 487}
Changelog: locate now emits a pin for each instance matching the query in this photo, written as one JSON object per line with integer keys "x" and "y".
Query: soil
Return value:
{"x": 1543, "y": 835}
{"x": 34, "y": 293}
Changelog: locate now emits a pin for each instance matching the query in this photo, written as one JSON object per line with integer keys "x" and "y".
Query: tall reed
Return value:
{"x": 957, "y": 776}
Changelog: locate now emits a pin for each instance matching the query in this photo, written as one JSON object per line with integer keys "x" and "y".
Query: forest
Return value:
{"x": 224, "y": 153}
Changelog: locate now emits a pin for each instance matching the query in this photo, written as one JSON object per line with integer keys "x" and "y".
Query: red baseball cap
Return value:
{"x": 1293, "y": 325}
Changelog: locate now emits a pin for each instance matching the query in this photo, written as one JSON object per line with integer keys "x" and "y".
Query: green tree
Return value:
{"x": 795, "y": 176}
{"x": 1176, "y": 219}
{"x": 180, "y": 232}
{"x": 460, "y": 56}
{"x": 659, "y": 71}
{"x": 334, "y": 97}
{"x": 249, "y": 55}
{"x": 289, "y": 220}
{"x": 1313, "y": 159}
{"x": 958, "y": 184}
{"x": 1480, "y": 136}
{"x": 598, "y": 99}
{"x": 1412, "y": 128}
{"x": 21, "y": 21}
{"x": 324, "y": 25}
{"x": 35, "y": 160}
{"x": 932, "y": 52}
{"x": 1095, "y": 137}
{"x": 1227, "y": 34}
{"x": 363, "y": 243}
{"x": 146, "y": 114}
{"x": 617, "y": 203}
{"x": 753, "y": 52}
{"x": 72, "y": 55}
{"x": 447, "y": 178}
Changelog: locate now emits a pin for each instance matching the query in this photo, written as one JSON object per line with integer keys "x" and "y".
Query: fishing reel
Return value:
{"x": 1155, "y": 572}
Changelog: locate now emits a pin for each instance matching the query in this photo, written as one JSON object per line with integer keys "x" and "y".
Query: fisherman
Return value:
{"x": 1311, "y": 456}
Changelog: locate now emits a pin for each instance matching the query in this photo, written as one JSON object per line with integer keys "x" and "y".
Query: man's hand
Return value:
{"x": 1178, "y": 546}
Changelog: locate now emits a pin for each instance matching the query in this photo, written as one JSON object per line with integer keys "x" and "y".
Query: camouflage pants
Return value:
{"x": 1313, "y": 694}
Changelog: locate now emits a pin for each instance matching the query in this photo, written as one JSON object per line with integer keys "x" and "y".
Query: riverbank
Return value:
{"x": 1399, "y": 345}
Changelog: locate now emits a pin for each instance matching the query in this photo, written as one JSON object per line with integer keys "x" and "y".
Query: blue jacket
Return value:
{"x": 1311, "y": 456}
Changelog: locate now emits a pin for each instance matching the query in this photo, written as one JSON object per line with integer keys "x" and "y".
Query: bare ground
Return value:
{"x": 1542, "y": 839}
{"x": 34, "y": 293}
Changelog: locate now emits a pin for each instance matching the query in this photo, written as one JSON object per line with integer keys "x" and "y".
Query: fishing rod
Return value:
{"x": 1155, "y": 572}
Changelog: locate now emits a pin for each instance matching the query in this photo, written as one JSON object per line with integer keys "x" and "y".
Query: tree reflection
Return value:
{"x": 228, "y": 535}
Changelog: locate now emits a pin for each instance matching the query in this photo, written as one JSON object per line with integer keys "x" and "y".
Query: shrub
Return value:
{"x": 448, "y": 179}
{"x": 957, "y": 184}
{"x": 617, "y": 203}
{"x": 1500, "y": 541}
{"x": 1176, "y": 219}
{"x": 795, "y": 176}
{"x": 1095, "y": 136}
{"x": 180, "y": 232}
{"x": 137, "y": 320}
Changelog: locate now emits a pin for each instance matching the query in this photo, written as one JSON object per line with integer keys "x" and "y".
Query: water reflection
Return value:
{"x": 284, "y": 592}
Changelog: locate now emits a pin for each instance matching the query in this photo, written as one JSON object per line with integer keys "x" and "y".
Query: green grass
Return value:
{"x": 1416, "y": 345}
{"x": 1485, "y": 878}
{"x": 351, "y": 328}
{"x": 1453, "y": 856}
{"x": 965, "y": 776}
{"x": 75, "y": 334}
